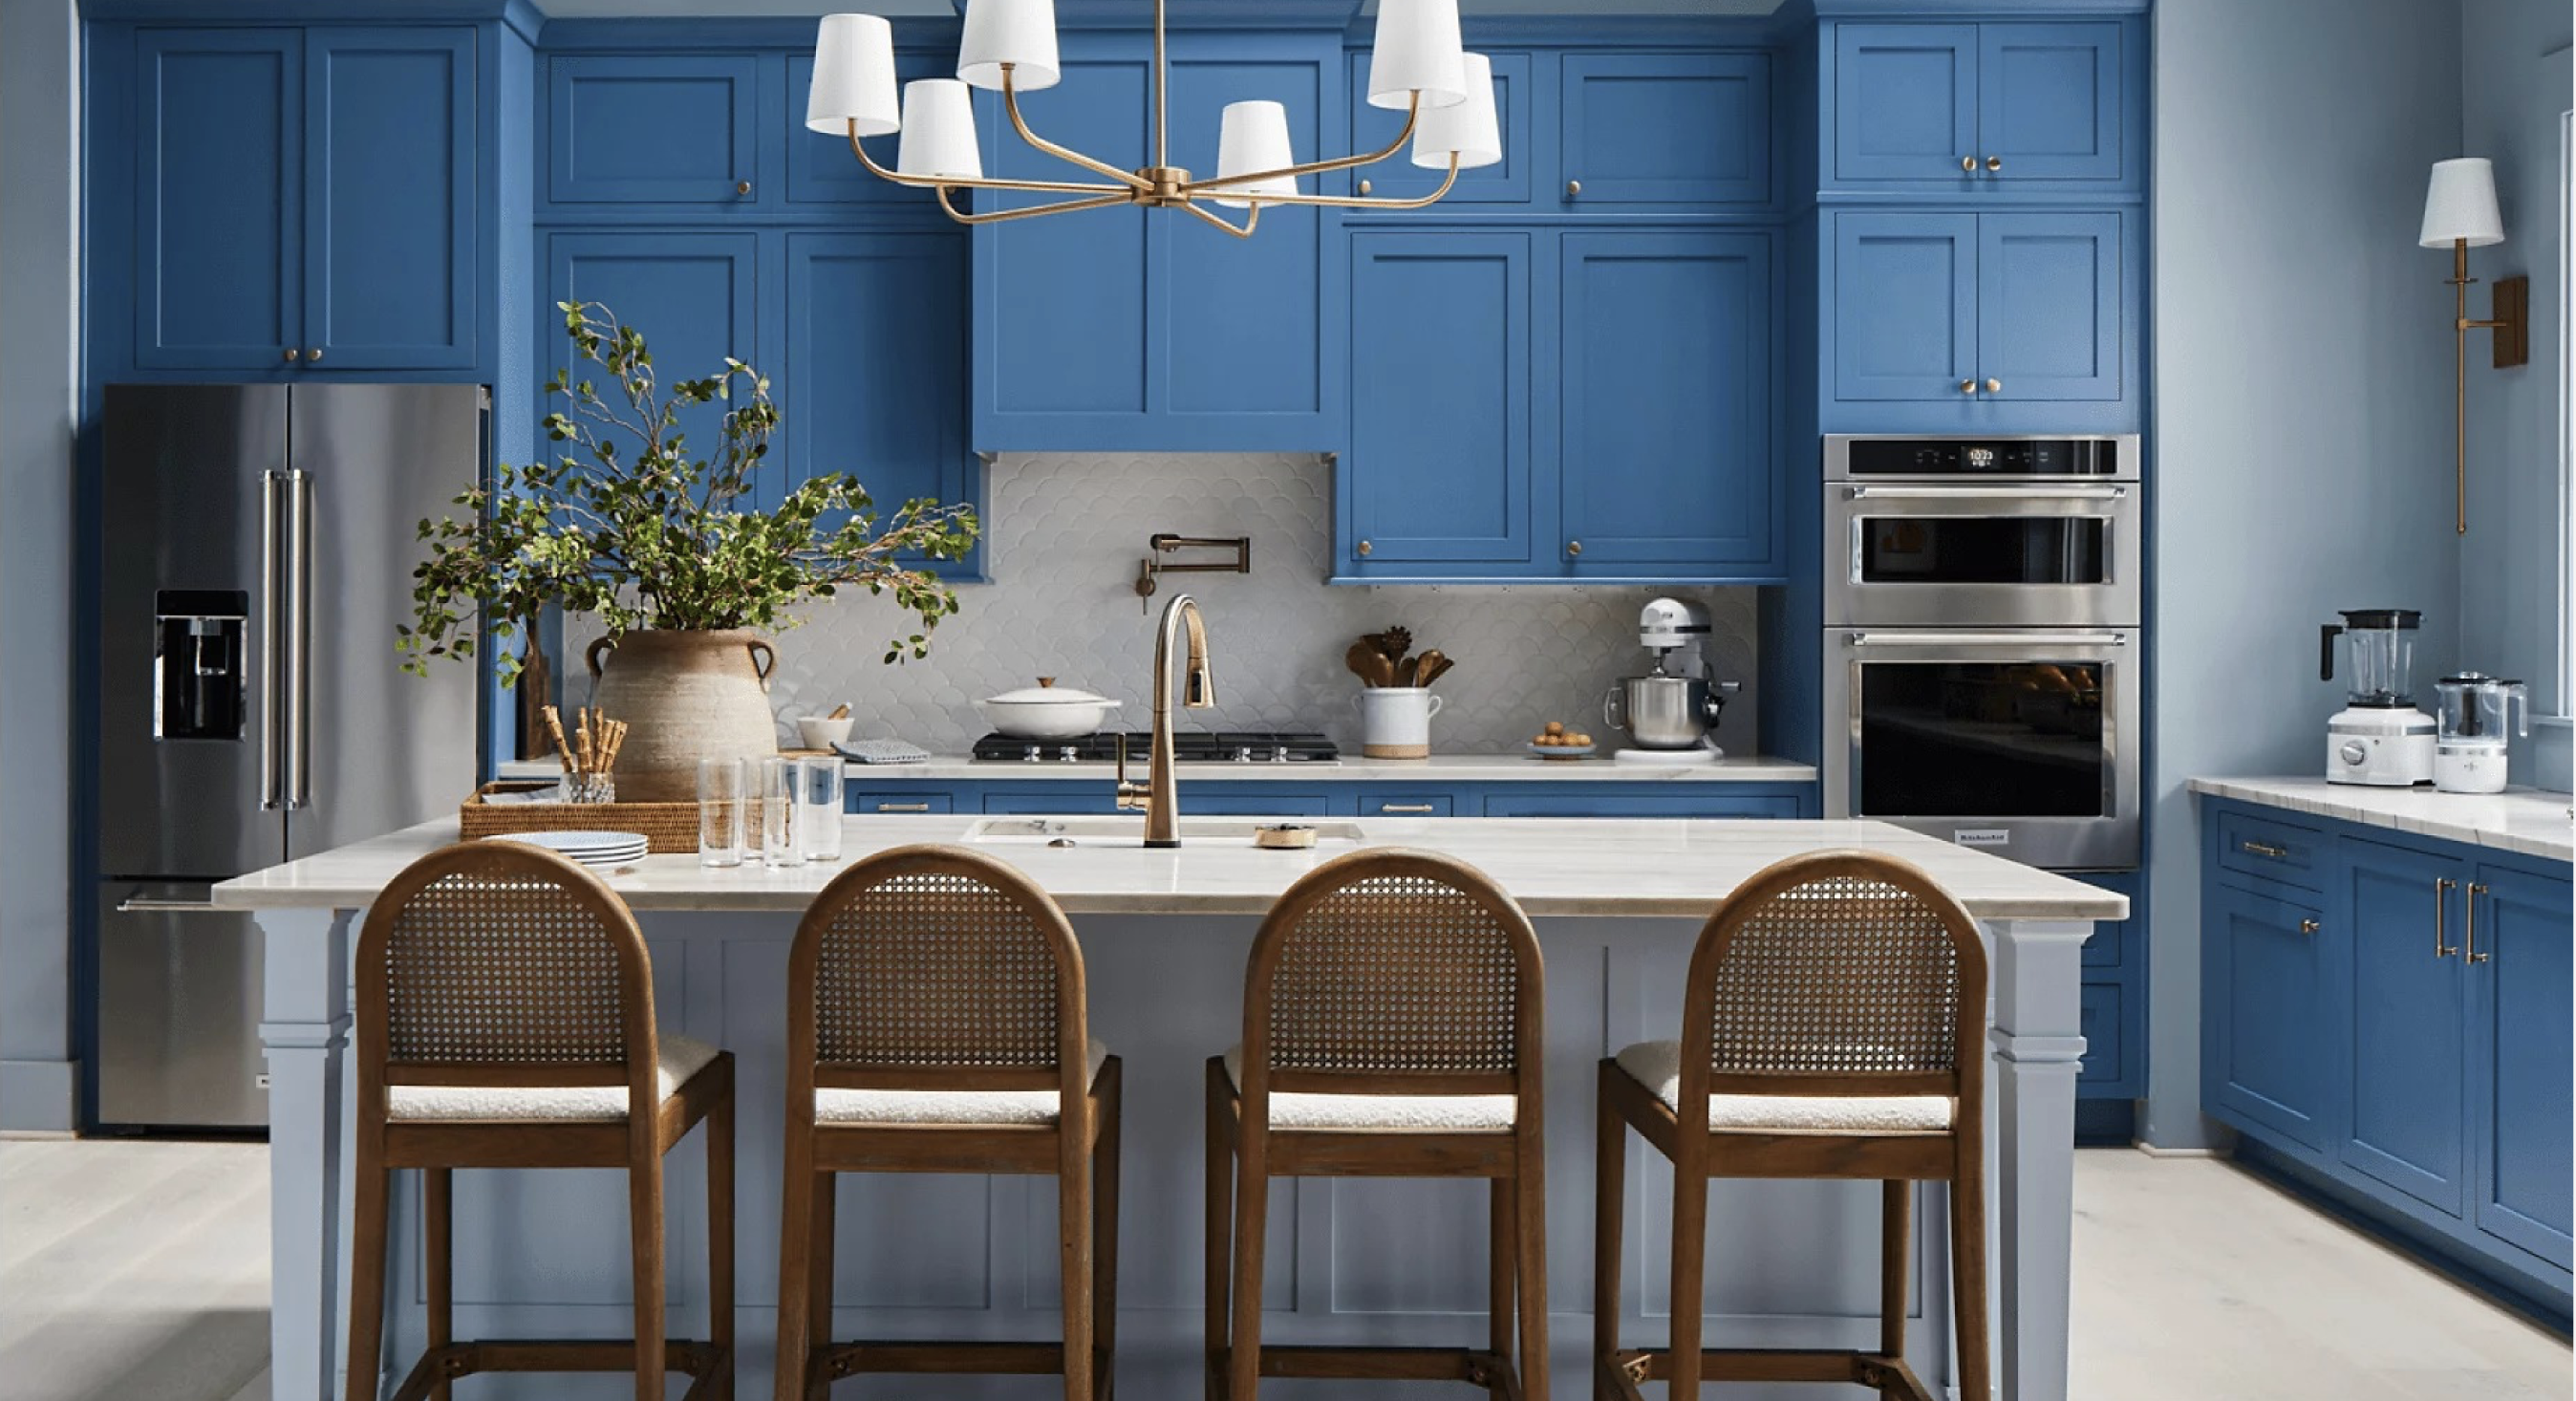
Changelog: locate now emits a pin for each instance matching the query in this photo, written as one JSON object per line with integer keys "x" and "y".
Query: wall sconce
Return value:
{"x": 2460, "y": 210}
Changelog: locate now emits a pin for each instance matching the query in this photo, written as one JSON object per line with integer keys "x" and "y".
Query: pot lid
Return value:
{"x": 1046, "y": 692}
{"x": 2478, "y": 678}
{"x": 2370, "y": 619}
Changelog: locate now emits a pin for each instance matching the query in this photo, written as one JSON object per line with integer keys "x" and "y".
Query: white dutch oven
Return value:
{"x": 1046, "y": 711}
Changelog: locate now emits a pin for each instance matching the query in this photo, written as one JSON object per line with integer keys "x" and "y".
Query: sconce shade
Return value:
{"x": 853, "y": 77}
{"x": 1470, "y": 129}
{"x": 938, "y": 131}
{"x": 1253, "y": 136}
{"x": 2461, "y": 204}
{"x": 1416, "y": 49}
{"x": 1017, "y": 32}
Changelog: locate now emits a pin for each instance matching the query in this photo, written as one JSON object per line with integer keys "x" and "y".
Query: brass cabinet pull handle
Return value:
{"x": 2309, "y": 926}
{"x": 1967, "y": 386}
{"x": 2277, "y": 853}
{"x": 2442, "y": 889}
{"x": 1968, "y": 164}
{"x": 2475, "y": 890}
{"x": 1574, "y": 547}
{"x": 742, "y": 187}
{"x": 1365, "y": 548}
{"x": 903, "y": 807}
{"x": 1573, "y": 188}
{"x": 1406, "y": 807}
{"x": 1994, "y": 162}
{"x": 1994, "y": 386}
{"x": 1364, "y": 187}
{"x": 293, "y": 354}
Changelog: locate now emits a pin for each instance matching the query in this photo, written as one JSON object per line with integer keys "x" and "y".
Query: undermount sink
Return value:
{"x": 1130, "y": 831}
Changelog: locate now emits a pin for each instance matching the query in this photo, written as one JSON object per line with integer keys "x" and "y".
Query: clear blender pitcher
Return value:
{"x": 2478, "y": 716}
{"x": 2383, "y": 656}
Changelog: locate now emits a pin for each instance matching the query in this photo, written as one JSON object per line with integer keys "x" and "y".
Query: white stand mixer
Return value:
{"x": 1670, "y": 713}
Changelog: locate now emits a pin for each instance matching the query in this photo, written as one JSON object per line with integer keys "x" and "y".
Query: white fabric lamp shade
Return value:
{"x": 1416, "y": 49}
{"x": 938, "y": 131}
{"x": 1471, "y": 129}
{"x": 1253, "y": 136}
{"x": 2461, "y": 204}
{"x": 1020, "y": 33}
{"x": 853, "y": 77}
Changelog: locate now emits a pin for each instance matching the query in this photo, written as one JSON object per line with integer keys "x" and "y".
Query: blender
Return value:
{"x": 1670, "y": 713}
{"x": 2470, "y": 750}
{"x": 2379, "y": 738}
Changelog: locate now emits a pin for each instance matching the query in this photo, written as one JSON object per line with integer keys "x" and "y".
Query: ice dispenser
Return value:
{"x": 200, "y": 663}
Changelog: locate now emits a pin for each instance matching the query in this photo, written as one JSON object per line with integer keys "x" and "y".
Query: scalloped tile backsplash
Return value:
{"x": 1066, "y": 533}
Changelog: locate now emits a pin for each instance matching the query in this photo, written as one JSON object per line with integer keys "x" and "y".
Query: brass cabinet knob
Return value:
{"x": 1967, "y": 386}
{"x": 2309, "y": 926}
{"x": 1574, "y": 547}
{"x": 1573, "y": 188}
{"x": 1364, "y": 187}
{"x": 314, "y": 355}
{"x": 1994, "y": 386}
{"x": 293, "y": 354}
{"x": 1994, "y": 162}
{"x": 1365, "y": 548}
{"x": 742, "y": 188}
{"x": 1968, "y": 164}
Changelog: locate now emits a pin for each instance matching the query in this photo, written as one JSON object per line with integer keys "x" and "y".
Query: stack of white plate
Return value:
{"x": 588, "y": 848}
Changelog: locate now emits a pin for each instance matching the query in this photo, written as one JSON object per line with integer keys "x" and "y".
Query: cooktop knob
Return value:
{"x": 2354, "y": 752}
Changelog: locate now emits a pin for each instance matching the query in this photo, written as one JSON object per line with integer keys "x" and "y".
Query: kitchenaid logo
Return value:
{"x": 1982, "y": 836}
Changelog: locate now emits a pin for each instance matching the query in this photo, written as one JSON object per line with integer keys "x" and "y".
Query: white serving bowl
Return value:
{"x": 822, "y": 731}
{"x": 1046, "y": 711}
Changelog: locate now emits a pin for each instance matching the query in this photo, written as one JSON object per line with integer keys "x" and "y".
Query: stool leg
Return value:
{"x": 1502, "y": 1256}
{"x": 1251, "y": 1223}
{"x": 795, "y": 1243}
{"x": 819, "y": 1257}
{"x": 1690, "y": 1247}
{"x": 1609, "y": 1219}
{"x": 720, "y": 1261}
{"x": 438, "y": 1243}
{"x": 1074, "y": 1225}
{"x": 644, "y": 1212}
{"x": 1895, "y": 1238}
{"x": 367, "y": 1278}
{"x": 1219, "y": 1234}
{"x": 1529, "y": 1197}
{"x": 1968, "y": 1266}
{"x": 1104, "y": 1216}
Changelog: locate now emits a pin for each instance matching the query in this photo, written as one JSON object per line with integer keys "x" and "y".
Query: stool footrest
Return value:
{"x": 1439, "y": 1364}
{"x": 705, "y": 1363}
{"x": 1623, "y": 1372}
{"x": 959, "y": 1359}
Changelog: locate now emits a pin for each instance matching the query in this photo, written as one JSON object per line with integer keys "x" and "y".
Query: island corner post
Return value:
{"x": 1371, "y": 1262}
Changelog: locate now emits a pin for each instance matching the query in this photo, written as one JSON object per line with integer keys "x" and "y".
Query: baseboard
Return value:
{"x": 39, "y": 1096}
{"x": 2153, "y": 1151}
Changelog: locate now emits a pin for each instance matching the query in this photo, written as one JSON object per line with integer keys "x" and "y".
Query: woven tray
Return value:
{"x": 669, "y": 828}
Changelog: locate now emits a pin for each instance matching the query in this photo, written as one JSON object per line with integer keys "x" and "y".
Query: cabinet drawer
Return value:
{"x": 891, "y": 804}
{"x": 2099, "y": 1011}
{"x": 1405, "y": 805}
{"x": 2269, "y": 849}
{"x": 653, "y": 129}
{"x": 1640, "y": 805}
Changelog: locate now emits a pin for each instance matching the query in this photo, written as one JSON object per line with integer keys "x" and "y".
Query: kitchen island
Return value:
{"x": 1164, "y": 934}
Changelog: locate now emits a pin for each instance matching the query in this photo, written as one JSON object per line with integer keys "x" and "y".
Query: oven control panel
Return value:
{"x": 1854, "y": 456}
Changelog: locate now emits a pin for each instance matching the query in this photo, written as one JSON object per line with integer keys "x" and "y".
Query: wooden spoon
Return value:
{"x": 1432, "y": 665}
{"x": 1364, "y": 662}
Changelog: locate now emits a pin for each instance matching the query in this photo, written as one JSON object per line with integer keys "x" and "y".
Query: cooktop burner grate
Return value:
{"x": 1188, "y": 747}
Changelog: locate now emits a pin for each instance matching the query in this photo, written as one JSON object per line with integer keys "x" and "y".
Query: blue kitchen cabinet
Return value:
{"x": 2273, "y": 1041}
{"x": 1658, "y": 129}
{"x": 1701, "y": 800}
{"x": 219, "y": 190}
{"x": 1666, "y": 345}
{"x": 1439, "y": 473}
{"x": 2049, "y": 101}
{"x": 2407, "y": 1120}
{"x": 690, "y": 294}
{"x": 1197, "y": 800}
{"x": 1505, "y": 182}
{"x": 1127, "y": 329}
{"x": 2520, "y": 1085}
{"x": 652, "y": 128}
{"x": 1904, "y": 312}
{"x": 2048, "y": 306}
{"x": 1904, "y": 101}
{"x": 1982, "y": 107}
{"x": 821, "y": 172}
{"x": 2115, "y": 995}
{"x": 390, "y": 276}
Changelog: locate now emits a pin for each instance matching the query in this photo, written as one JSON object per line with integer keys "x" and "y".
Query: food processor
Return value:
{"x": 2379, "y": 738}
{"x": 1670, "y": 713}
{"x": 2470, "y": 750}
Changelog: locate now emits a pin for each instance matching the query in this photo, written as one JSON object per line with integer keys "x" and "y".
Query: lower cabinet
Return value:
{"x": 2269, "y": 1041}
{"x": 2407, "y": 1121}
{"x": 2519, "y": 1079}
{"x": 1304, "y": 797}
{"x": 1716, "y": 804}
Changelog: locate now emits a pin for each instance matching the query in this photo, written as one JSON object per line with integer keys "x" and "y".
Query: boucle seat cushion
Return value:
{"x": 1383, "y": 1113}
{"x": 680, "y": 1058}
{"x": 1657, "y": 1065}
{"x": 949, "y": 1106}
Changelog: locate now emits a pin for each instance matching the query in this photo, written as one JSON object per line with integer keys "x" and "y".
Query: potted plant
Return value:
{"x": 627, "y": 525}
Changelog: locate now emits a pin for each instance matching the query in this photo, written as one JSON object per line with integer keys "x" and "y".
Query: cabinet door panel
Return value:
{"x": 2269, "y": 1017}
{"x": 1905, "y": 305}
{"x": 874, "y": 380}
{"x": 1666, "y": 351}
{"x": 1905, "y": 100}
{"x": 689, "y": 294}
{"x": 2409, "y": 1112}
{"x": 1685, "y": 805}
{"x": 1506, "y": 181}
{"x": 389, "y": 267}
{"x": 653, "y": 128}
{"x": 1666, "y": 128}
{"x": 2048, "y": 305}
{"x": 1439, "y": 319}
{"x": 218, "y": 198}
{"x": 820, "y": 169}
{"x": 2519, "y": 1066}
{"x": 2049, "y": 100}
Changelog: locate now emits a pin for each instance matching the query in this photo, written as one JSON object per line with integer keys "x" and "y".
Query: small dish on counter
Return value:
{"x": 821, "y": 732}
{"x": 1562, "y": 751}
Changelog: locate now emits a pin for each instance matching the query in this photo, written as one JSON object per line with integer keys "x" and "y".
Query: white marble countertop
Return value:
{"x": 2522, "y": 820}
{"x": 1438, "y": 769}
{"x": 1640, "y": 867}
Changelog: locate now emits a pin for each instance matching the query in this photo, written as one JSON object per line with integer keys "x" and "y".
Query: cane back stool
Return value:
{"x": 1833, "y": 1026}
{"x": 505, "y": 1020}
{"x": 1391, "y": 1028}
{"x": 936, "y": 1023}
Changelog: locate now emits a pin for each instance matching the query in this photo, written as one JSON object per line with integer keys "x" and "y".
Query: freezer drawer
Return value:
{"x": 178, "y": 1010}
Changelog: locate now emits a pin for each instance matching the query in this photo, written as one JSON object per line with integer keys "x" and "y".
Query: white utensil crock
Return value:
{"x": 1395, "y": 722}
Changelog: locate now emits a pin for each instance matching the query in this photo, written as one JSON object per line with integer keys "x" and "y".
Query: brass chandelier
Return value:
{"x": 1416, "y": 66}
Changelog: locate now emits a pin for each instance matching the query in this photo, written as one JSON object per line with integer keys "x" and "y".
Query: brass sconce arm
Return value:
{"x": 2511, "y": 325}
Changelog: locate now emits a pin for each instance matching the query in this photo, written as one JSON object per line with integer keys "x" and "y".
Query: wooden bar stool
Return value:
{"x": 1391, "y": 1021}
{"x": 505, "y": 1020}
{"x": 936, "y": 1023}
{"x": 1833, "y": 1026}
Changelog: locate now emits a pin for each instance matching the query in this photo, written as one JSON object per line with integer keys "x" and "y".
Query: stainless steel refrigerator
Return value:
{"x": 256, "y": 553}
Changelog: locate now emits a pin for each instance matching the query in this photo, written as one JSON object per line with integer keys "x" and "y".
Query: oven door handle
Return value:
{"x": 1986, "y": 493}
{"x": 2028, "y": 637}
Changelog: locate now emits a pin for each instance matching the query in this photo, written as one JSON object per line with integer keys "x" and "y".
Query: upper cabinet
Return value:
{"x": 304, "y": 200}
{"x": 1656, "y": 129}
{"x": 678, "y": 129}
{"x": 1985, "y": 107}
{"x": 1505, "y": 182}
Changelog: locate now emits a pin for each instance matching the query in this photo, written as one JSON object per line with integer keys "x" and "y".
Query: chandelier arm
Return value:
{"x": 1020, "y": 124}
{"x": 1353, "y": 202}
{"x": 1002, "y": 216}
{"x": 1251, "y": 221}
{"x": 1412, "y": 115}
{"x": 932, "y": 182}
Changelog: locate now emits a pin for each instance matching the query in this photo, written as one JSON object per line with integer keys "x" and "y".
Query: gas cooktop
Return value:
{"x": 1188, "y": 747}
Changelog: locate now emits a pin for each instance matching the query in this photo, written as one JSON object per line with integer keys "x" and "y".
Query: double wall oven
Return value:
{"x": 1982, "y": 652}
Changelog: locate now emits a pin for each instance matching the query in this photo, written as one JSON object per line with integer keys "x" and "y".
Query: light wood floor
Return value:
{"x": 139, "y": 1270}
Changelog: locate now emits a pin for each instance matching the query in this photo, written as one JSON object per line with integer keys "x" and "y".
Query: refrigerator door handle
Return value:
{"x": 272, "y": 641}
{"x": 299, "y": 653}
{"x": 146, "y": 905}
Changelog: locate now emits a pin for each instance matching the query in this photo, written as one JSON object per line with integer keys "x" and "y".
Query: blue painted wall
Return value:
{"x": 2301, "y": 433}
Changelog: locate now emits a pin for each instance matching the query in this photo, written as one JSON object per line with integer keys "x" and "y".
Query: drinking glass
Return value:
{"x": 782, "y": 817}
{"x": 818, "y": 794}
{"x": 721, "y": 798}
